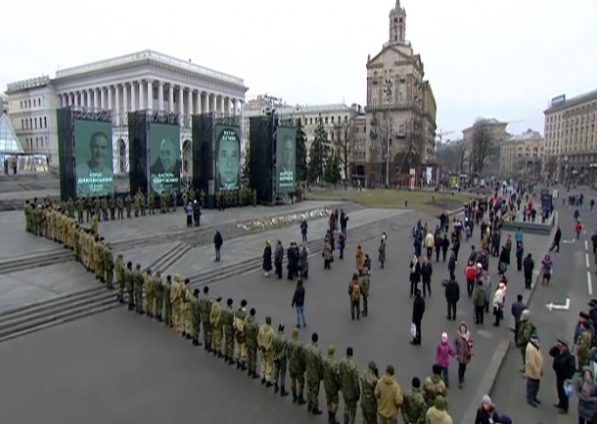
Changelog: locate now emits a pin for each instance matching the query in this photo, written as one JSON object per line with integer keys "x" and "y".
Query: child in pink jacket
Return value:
{"x": 443, "y": 351}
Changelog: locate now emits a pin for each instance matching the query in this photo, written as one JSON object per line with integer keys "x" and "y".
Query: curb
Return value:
{"x": 495, "y": 365}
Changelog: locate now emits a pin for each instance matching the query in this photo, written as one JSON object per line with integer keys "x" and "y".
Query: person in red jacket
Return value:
{"x": 578, "y": 229}
{"x": 470, "y": 273}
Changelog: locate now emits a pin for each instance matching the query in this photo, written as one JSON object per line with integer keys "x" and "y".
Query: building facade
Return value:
{"x": 401, "y": 108}
{"x": 338, "y": 120}
{"x": 571, "y": 139}
{"x": 147, "y": 80}
{"x": 495, "y": 132}
{"x": 4, "y": 104}
{"x": 522, "y": 155}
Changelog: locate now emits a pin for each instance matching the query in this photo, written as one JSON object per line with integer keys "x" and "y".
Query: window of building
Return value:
{"x": 339, "y": 119}
{"x": 29, "y": 102}
{"x": 45, "y": 122}
{"x": 35, "y": 122}
{"x": 30, "y": 123}
{"x": 37, "y": 142}
{"x": 332, "y": 120}
{"x": 310, "y": 121}
{"x": 345, "y": 119}
{"x": 21, "y": 104}
{"x": 22, "y": 124}
{"x": 332, "y": 134}
{"x": 326, "y": 120}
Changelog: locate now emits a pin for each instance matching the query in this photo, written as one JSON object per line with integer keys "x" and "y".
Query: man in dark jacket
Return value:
{"x": 556, "y": 240}
{"x": 519, "y": 256}
{"x": 278, "y": 258}
{"x": 445, "y": 246}
{"x": 426, "y": 272}
{"x": 218, "y": 242}
{"x": 452, "y": 264}
{"x": 418, "y": 311}
{"x": 564, "y": 367}
{"x": 528, "y": 266}
{"x": 292, "y": 254}
{"x": 452, "y": 298}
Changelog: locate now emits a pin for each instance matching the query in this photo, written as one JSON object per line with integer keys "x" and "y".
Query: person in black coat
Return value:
{"x": 445, "y": 246}
{"x": 564, "y": 366}
{"x": 415, "y": 274}
{"x": 292, "y": 253}
{"x": 528, "y": 266}
{"x": 503, "y": 261}
{"x": 519, "y": 256}
{"x": 298, "y": 303}
{"x": 426, "y": 272}
{"x": 218, "y": 242}
{"x": 452, "y": 264}
{"x": 452, "y": 298}
{"x": 418, "y": 311}
{"x": 267, "y": 258}
{"x": 279, "y": 258}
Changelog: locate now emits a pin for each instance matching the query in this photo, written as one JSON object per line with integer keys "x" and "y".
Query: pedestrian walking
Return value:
{"x": 533, "y": 369}
{"x": 564, "y": 367}
{"x": 298, "y": 303}
{"x": 528, "y": 266}
{"x": 417, "y": 318}
{"x": 498, "y": 304}
{"x": 218, "y": 242}
{"x": 414, "y": 275}
{"x": 354, "y": 293}
{"x": 479, "y": 301}
{"x": 267, "y": 258}
{"x": 546, "y": 270}
{"x": 452, "y": 293}
{"x": 426, "y": 273}
{"x": 443, "y": 352}
{"x": 463, "y": 347}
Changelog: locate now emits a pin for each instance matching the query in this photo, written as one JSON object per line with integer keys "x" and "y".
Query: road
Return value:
{"x": 118, "y": 367}
{"x": 572, "y": 279}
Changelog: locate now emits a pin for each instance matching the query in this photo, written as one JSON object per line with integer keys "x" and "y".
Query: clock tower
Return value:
{"x": 398, "y": 24}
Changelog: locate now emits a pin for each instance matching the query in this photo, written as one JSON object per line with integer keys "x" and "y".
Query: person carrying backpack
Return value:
{"x": 355, "y": 293}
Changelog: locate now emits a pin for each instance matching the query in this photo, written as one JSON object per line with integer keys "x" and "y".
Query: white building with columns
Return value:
{"x": 147, "y": 80}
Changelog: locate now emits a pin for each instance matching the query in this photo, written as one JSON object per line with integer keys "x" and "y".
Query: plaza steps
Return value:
{"x": 50, "y": 257}
{"x": 41, "y": 315}
{"x": 69, "y": 307}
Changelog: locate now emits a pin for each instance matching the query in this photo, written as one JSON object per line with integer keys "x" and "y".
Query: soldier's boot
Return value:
{"x": 294, "y": 397}
{"x": 231, "y": 361}
{"x": 196, "y": 342}
{"x": 276, "y": 388}
{"x": 188, "y": 336}
{"x": 301, "y": 400}
{"x": 238, "y": 365}
{"x": 254, "y": 375}
{"x": 332, "y": 418}
{"x": 283, "y": 391}
{"x": 268, "y": 384}
{"x": 220, "y": 354}
{"x": 159, "y": 318}
{"x": 316, "y": 411}
{"x": 262, "y": 380}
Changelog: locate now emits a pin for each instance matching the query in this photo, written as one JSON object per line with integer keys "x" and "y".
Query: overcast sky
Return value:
{"x": 491, "y": 58}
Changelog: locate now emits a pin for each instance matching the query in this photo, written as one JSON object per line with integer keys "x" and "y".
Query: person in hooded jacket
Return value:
{"x": 452, "y": 293}
{"x": 434, "y": 386}
{"x": 267, "y": 258}
{"x": 443, "y": 352}
{"x": 438, "y": 414}
{"x": 389, "y": 397}
{"x": 498, "y": 303}
{"x": 278, "y": 259}
{"x": 586, "y": 391}
{"x": 486, "y": 414}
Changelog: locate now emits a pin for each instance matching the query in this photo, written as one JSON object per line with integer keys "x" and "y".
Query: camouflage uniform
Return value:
{"x": 526, "y": 329}
{"x": 331, "y": 383}
{"x": 168, "y": 303}
{"x": 228, "y": 319}
{"x": 351, "y": 390}
{"x": 158, "y": 294}
{"x": 314, "y": 377}
{"x": 414, "y": 407}
{"x": 280, "y": 362}
{"x": 251, "y": 330}
{"x": 297, "y": 365}
{"x": 368, "y": 401}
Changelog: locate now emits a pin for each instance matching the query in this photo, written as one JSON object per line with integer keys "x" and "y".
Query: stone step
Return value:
{"x": 52, "y": 257}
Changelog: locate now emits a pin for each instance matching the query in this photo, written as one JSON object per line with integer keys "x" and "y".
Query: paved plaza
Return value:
{"x": 119, "y": 367}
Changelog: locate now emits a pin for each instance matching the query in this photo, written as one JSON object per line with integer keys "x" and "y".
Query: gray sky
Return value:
{"x": 491, "y": 58}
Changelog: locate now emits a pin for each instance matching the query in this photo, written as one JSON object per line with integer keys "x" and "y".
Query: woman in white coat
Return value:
{"x": 498, "y": 304}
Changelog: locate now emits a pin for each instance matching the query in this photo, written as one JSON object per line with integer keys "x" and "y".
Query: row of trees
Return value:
{"x": 325, "y": 161}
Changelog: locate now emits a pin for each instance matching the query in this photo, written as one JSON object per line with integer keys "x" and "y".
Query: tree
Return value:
{"x": 480, "y": 147}
{"x": 318, "y": 153}
{"x": 246, "y": 169}
{"x": 332, "y": 173}
{"x": 301, "y": 152}
{"x": 344, "y": 145}
{"x": 551, "y": 167}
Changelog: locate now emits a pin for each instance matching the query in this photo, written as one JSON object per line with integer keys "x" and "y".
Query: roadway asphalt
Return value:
{"x": 572, "y": 279}
{"x": 118, "y": 367}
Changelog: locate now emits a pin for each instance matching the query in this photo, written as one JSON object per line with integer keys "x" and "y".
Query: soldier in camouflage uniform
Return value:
{"x": 119, "y": 271}
{"x": 216, "y": 324}
{"x": 187, "y": 310}
{"x": 112, "y": 206}
{"x": 434, "y": 386}
{"x": 130, "y": 285}
{"x": 228, "y": 320}
{"x": 120, "y": 207}
{"x": 414, "y": 407}
{"x": 314, "y": 374}
{"x": 240, "y": 337}
{"x": 158, "y": 295}
{"x": 136, "y": 204}
{"x": 128, "y": 203}
{"x": 151, "y": 202}
{"x": 251, "y": 331}
{"x": 88, "y": 208}
{"x": 98, "y": 262}
{"x": 297, "y": 365}
{"x": 205, "y": 309}
{"x": 168, "y": 302}
{"x": 331, "y": 384}
{"x": 524, "y": 334}
{"x": 108, "y": 266}
{"x": 138, "y": 287}
{"x": 196, "y": 317}
{"x": 148, "y": 290}
{"x": 369, "y": 381}
{"x": 280, "y": 361}
{"x": 104, "y": 206}
{"x": 142, "y": 202}
{"x": 351, "y": 390}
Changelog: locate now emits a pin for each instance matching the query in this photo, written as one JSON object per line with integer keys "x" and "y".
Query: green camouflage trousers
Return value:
{"x": 369, "y": 413}
{"x": 313, "y": 393}
{"x": 229, "y": 344}
{"x": 350, "y": 411}
{"x": 252, "y": 357}
{"x": 279, "y": 376}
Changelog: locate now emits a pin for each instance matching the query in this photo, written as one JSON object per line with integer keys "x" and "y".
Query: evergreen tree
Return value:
{"x": 332, "y": 173}
{"x": 246, "y": 169}
{"x": 301, "y": 153}
{"x": 318, "y": 154}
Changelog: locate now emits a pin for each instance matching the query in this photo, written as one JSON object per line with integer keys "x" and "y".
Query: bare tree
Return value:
{"x": 375, "y": 163}
{"x": 551, "y": 166}
{"x": 480, "y": 147}
{"x": 451, "y": 158}
{"x": 344, "y": 144}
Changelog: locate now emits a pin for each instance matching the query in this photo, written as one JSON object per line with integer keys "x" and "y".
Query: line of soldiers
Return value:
{"x": 51, "y": 221}
{"x": 234, "y": 335}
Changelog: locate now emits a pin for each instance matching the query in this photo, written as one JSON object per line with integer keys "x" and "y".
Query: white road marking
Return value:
{"x": 586, "y": 245}
{"x": 587, "y": 260}
{"x": 589, "y": 283}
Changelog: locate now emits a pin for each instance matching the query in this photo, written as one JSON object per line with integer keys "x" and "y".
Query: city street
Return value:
{"x": 573, "y": 281}
{"x": 119, "y": 367}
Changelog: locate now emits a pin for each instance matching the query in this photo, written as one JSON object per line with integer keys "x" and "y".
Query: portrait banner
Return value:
{"x": 164, "y": 157}
{"x": 93, "y": 158}
{"x": 227, "y": 155}
{"x": 285, "y": 159}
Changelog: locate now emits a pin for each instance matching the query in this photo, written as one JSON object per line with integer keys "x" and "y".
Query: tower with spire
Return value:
{"x": 398, "y": 24}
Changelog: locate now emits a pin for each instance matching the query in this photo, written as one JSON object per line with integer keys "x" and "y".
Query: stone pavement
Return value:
{"x": 15, "y": 242}
{"x": 216, "y": 392}
{"x": 572, "y": 279}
